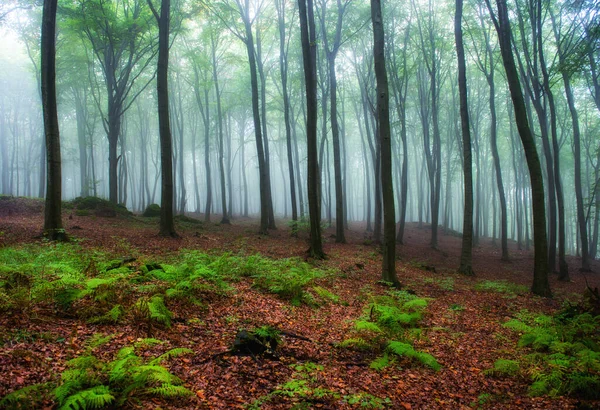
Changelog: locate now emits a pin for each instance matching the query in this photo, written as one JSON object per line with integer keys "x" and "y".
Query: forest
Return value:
{"x": 303, "y": 204}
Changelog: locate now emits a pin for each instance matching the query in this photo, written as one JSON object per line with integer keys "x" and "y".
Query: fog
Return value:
{"x": 106, "y": 69}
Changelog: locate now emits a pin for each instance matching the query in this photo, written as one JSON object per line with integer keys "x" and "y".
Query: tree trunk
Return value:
{"x": 283, "y": 70}
{"x": 167, "y": 225}
{"x": 467, "y": 238}
{"x": 540, "y": 285}
{"x": 388, "y": 270}
{"x": 53, "y": 228}
{"x": 262, "y": 166}
{"x": 263, "y": 110}
{"x": 225, "y": 217}
{"x": 309, "y": 49}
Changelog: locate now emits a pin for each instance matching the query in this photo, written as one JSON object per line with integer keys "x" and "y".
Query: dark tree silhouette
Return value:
{"x": 388, "y": 271}
{"x": 53, "y": 228}
{"x": 540, "y": 285}
{"x": 309, "y": 55}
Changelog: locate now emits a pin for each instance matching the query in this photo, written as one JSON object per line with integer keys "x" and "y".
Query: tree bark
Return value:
{"x": 167, "y": 225}
{"x": 540, "y": 285}
{"x": 309, "y": 49}
{"x": 388, "y": 270}
{"x": 467, "y": 237}
{"x": 283, "y": 71}
{"x": 53, "y": 228}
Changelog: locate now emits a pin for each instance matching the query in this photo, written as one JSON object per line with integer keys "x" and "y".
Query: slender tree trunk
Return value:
{"x": 53, "y": 228}
{"x": 309, "y": 50}
{"x": 540, "y": 285}
{"x": 225, "y": 217}
{"x": 388, "y": 270}
{"x": 263, "y": 110}
{"x": 167, "y": 225}
{"x": 467, "y": 238}
{"x": 283, "y": 71}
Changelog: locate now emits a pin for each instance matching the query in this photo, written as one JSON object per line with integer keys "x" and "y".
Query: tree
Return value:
{"x": 540, "y": 285}
{"x": 467, "y": 238}
{"x": 124, "y": 47}
{"x": 309, "y": 56}
{"x": 53, "y": 228}
{"x": 214, "y": 41}
{"x": 331, "y": 52}
{"x": 486, "y": 63}
{"x": 167, "y": 225}
{"x": 283, "y": 71}
{"x": 388, "y": 271}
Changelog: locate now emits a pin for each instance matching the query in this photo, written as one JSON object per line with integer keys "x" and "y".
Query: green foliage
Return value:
{"x": 456, "y": 307}
{"x": 407, "y": 350}
{"x": 381, "y": 362}
{"x": 303, "y": 387}
{"x": 563, "y": 354}
{"x": 91, "y": 383}
{"x": 501, "y": 286}
{"x": 367, "y": 401}
{"x": 504, "y": 367}
{"x": 357, "y": 343}
{"x": 326, "y": 295}
{"x": 444, "y": 283}
{"x": 28, "y": 397}
{"x": 289, "y": 282}
{"x": 365, "y": 325}
{"x": 152, "y": 210}
{"x": 268, "y": 334}
{"x": 385, "y": 320}
{"x": 151, "y": 312}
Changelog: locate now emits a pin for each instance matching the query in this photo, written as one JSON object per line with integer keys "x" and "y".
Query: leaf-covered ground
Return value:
{"x": 461, "y": 326}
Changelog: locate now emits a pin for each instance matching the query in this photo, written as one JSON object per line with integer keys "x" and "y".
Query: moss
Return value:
{"x": 152, "y": 210}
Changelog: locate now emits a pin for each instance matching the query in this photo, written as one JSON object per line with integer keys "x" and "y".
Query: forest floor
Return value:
{"x": 461, "y": 326}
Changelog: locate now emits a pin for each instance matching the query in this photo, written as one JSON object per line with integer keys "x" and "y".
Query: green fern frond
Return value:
{"x": 380, "y": 363}
{"x": 24, "y": 398}
{"x": 94, "y": 398}
{"x": 355, "y": 343}
{"x": 169, "y": 390}
{"x": 407, "y": 350}
{"x": 179, "y": 351}
{"x": 416, "y": 304}
{"x": 503, "y": 367}
{"x": 517, "y": 326}
{"x": 365, "y": 325}
{"x": 97, "y": 340}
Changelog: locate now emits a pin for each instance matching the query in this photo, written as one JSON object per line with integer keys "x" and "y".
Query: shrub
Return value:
{"x": 561, "y": 354}
{"x": 152, "y": 210}
{"x": 89, "y": 382}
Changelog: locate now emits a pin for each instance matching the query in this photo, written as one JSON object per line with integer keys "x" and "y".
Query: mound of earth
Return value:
{"x": 13, "y": 206}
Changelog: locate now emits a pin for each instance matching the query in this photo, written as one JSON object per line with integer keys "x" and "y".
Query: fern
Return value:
{"x": 503, "y": 367}
{"x": 364, "y": 325}
{"x": 407, "y": 350}
{"x": 416, "y": 304}
{"x": 96, "y": 397}
{"x": 90, "y": 383}
{"x": 26, "y": 398}
{"x": 517, "y": 325}
{"x": 180, "y": 351}
{"x": 355, "y": 343}
{"x": 380, "y": 363}
{"x": 169, "y": 391}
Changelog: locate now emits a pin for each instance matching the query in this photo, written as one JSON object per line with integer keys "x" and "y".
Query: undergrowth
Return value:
{"x": 509, "y": 289}
{"x": 560, "y": 354}
{"x": 89, "y": 285}
{"x": 89, "y": 382}
{"x": 389, "y": 325}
